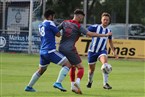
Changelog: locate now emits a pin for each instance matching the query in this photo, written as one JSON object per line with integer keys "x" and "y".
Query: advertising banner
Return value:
{"x": 18, "y": 43}
{"x": 124, "y": 48}
{"x": 17, "y": 17}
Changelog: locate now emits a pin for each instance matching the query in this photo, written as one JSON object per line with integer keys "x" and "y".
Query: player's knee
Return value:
{"x": 73, "y": 68}
{"x": 92, "y": 70}
{"x": 66, "y": 63}
{"x": 42, "y": 70}
{"x": 79, "y": 66}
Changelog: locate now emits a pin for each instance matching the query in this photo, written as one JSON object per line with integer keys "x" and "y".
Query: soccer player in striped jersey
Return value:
{"x": 48, "y": 53}
{"x": 98, "y": 50}
{"x": 72, "y": 30}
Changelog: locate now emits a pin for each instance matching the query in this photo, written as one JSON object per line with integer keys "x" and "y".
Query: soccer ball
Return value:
{"x": 106, "y": 68}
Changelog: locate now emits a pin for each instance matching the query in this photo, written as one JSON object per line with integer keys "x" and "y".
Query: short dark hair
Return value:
{"x": 48, "y": 12}
{"x": 79, "y": 11}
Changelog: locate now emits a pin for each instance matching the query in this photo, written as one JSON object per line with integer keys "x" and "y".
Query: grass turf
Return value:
{"x": 127, "y": 78}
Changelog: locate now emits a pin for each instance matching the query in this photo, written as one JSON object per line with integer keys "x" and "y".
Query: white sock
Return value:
{"x": 34, "y": 78}
{"x": 90, "y": 77}
{"x": 105, "y": 78}
{"x": 72, "y": 85}
{"x": 78, "y": 81}
{"x": 62, "y": 74}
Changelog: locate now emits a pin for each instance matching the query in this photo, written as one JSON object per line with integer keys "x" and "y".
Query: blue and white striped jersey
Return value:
{"x": 48, "y": 30}
{"x": 98, "y": 43}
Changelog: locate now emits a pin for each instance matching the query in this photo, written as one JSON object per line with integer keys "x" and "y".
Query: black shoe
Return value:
{"x": 107, "y": 86}
{"x": 89, "y": 84}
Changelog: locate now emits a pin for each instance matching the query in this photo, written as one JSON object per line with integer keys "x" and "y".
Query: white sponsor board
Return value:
{"x": 17, "y": 17}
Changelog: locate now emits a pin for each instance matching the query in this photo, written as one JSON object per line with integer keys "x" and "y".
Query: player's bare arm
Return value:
{"x": 92, "y": 34}
{"x": 112, "y": 48}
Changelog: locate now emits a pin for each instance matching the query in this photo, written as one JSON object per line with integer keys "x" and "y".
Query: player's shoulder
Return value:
{"x": 66, "y": 21}
{"x": 49, "y": 22}
{"x": 94, "y": 25}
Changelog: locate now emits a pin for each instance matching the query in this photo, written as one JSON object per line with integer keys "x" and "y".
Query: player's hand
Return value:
{"x": 116, "y": 56}
{"x": 109, "y": 34}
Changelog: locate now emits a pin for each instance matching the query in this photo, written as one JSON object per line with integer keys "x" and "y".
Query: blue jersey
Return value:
{"x": 99, "y": 43}
{"x": 48, "y": 30}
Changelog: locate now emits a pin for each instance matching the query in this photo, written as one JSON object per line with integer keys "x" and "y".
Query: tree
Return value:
{"x": 64, "y": 8}
{"x": 117, "y": 9}
{"x": 137, "y": 9}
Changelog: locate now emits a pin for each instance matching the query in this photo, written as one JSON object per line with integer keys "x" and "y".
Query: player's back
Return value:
{"x": 47, "y": 31}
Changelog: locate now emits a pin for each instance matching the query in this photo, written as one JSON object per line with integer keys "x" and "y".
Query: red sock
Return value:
{"x": 80, "y": 73}
{"x": 72, "y": 74}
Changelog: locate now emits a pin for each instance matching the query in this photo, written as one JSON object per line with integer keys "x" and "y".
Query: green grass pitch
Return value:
{"x": 127, "y": 78}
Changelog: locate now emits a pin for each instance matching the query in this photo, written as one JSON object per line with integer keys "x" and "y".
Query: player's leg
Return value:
{"x": 75, "y": 59}
{"x": 58, "y": 58}
{"x": 72, "y": 76}
{"x": 104, "y": 60}
{"x": 92, "y": 58}
{"x": 80, "y": 74}
{"x": 37, "y": 74}
{"x": 34, "y": 79}
{"x": 90, "y": 75}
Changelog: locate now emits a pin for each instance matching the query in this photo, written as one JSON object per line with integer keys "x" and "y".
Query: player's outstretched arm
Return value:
{"x": 92, "y": 34}
{"x": 112, "y": 48}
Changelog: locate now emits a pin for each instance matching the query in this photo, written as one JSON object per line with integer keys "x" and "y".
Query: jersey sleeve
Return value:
{"x": 60, "y": 26}
{"x": 110, "y": 37}
{"x": 53, "y": 28}
{"x": 92, "y": 28}
{"x": 83, "y": 30}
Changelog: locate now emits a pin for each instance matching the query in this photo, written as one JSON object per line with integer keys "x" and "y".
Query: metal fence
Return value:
{"x": 18, "y": 26}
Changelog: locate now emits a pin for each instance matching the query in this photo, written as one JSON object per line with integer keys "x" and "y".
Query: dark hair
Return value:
{"x": 79, "y": 11}
{"x": 106, "y": 14}
{"x": 48, "y": 12}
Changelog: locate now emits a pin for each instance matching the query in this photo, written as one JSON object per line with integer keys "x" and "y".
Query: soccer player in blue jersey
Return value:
{"x": 48, "y": 53}
{"x": 71, "y": 31}
{"x": 98, "y": 50}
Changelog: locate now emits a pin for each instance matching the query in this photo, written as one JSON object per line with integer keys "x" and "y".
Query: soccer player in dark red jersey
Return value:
{"x": 71, "y": 31}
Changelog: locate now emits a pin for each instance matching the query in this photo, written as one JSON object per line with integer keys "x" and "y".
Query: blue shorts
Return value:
{"x": 93, "y": 56}
{"x": 55, "y": 57}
